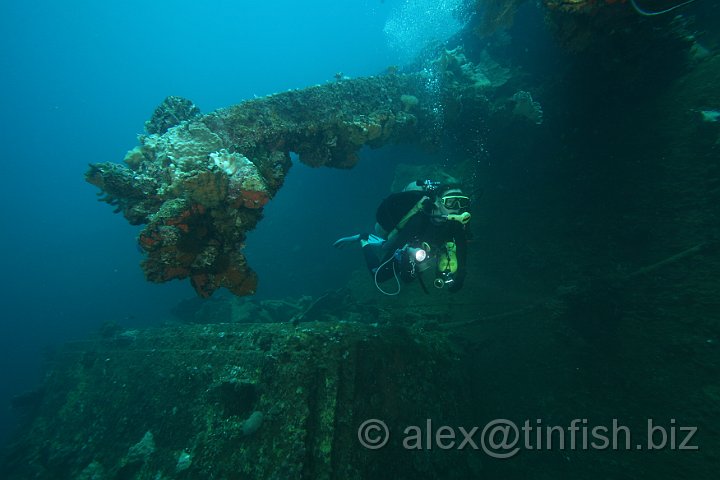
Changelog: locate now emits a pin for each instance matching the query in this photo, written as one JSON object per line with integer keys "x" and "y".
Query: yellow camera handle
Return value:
{"x": 463, "y": 218}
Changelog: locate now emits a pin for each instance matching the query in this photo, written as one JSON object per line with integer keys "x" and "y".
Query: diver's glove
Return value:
{"x": 345, "y": 241}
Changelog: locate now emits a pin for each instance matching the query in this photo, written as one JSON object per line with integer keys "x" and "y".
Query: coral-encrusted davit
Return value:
{"x": 200, "y": 185}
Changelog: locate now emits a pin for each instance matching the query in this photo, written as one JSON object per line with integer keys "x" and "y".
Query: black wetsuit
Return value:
{"x": 420, "y": 228}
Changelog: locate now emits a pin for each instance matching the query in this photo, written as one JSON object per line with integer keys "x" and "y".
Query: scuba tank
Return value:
{"x": 447, "y": 266}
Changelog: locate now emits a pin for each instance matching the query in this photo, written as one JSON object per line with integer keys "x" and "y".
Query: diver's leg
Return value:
{"x": 376, "y": 258}
{"x": 371, "y": 259}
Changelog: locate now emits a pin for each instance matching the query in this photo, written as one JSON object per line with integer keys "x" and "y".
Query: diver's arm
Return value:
{"x": 420, "y": 206}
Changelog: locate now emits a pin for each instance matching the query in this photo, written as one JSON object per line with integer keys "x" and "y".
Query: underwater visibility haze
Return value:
{"x": 360, "y": 239}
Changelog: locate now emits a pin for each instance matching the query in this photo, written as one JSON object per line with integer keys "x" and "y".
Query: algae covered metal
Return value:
{"x": 200, "y": 185}
{"x": 273, "y": 401}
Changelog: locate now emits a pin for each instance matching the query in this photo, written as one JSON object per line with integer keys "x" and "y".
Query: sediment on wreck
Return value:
{"x": 243, "y": 401}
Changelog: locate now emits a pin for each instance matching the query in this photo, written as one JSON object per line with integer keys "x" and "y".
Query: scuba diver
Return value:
{"x": 422, "y": 228}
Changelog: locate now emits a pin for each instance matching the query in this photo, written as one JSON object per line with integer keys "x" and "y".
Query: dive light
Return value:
{"x": 418, "y": 254}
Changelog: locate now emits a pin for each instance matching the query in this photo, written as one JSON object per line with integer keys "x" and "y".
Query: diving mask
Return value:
{"x": 455, "y": 202}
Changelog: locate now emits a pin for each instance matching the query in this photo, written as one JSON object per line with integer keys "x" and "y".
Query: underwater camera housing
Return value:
{"x": 412, "y": 260}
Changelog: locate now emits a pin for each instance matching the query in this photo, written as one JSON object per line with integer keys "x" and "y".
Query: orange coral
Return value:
{"x": 181, "y": 222}
{"x": 237, "y": 278}
{"x": 148, "y": 240}
{"x": 240, "y": 280}
{"x": 203, "y": 285}
{"x": 254, "y": 198}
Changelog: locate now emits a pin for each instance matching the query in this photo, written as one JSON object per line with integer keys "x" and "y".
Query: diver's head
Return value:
{"x": 450, "y": 200}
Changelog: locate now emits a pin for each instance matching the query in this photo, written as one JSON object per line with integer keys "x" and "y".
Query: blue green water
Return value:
{"x": 79, "y": 78}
